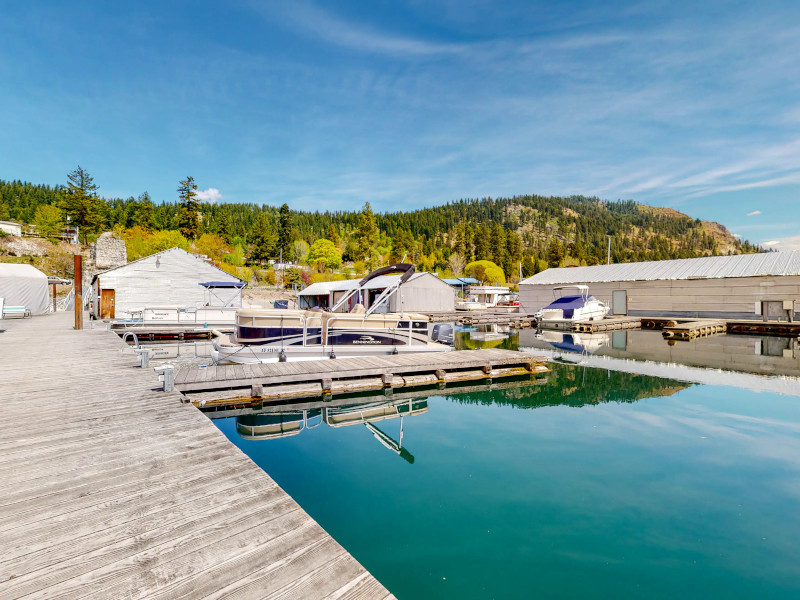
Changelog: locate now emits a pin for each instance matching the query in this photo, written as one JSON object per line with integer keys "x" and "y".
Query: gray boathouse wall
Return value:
{"x": 736, "y": 297}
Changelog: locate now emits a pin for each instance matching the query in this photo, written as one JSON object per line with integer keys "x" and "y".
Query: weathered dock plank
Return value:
{"x": 114, "y": 490}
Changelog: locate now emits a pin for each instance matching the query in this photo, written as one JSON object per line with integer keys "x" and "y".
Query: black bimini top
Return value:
{"x": 405, "y": 268}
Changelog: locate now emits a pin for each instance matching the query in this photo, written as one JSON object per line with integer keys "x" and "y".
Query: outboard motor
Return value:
{"x": 443, "y": 333}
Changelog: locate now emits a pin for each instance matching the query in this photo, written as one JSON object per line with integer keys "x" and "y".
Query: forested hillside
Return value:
{"x": 527, "y": 232}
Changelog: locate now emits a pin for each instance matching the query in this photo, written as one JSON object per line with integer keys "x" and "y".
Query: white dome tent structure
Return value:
{"x": 24, "y": 286}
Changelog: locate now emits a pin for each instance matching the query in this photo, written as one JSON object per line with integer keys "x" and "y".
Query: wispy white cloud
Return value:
{"x": 754, "y": 213}
{"x": 324, "y": 25}
{"x": 211, "y": 195}
{"x": 787, "y": 243}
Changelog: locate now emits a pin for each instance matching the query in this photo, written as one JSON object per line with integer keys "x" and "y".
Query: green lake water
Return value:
{"x": 591, "y": 484}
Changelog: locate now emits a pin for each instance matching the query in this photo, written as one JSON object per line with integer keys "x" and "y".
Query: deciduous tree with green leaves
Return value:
{"x": 324, "y": 254}
{"x": 49, "y": 220}
{"x": 485, "y": 271}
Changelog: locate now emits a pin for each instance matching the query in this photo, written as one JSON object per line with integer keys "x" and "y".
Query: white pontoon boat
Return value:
{"x": 271, "y": 335}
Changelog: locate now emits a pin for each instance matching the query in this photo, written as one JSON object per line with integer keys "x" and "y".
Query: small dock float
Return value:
{"x": 607, "y": 324}
{"x": 694, "y": 329}
{"x": 278, "y": 381}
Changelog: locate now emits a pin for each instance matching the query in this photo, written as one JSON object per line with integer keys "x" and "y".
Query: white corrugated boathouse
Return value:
{"x": 746, "y": 286}
{"x": 169, "y": 278}
{"x": 423, "y": 292}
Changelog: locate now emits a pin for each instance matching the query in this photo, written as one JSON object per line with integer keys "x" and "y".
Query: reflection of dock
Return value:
{"x": 277, "y": 381}
{"x": 716, "y": 360}
{"x": 292, "y": 420}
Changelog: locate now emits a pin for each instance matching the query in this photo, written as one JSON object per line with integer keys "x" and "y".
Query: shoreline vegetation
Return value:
{"x": 517, "y": 236}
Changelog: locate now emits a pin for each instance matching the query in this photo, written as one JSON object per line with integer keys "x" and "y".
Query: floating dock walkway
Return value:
{"x": 115, "y": 489}
{"x": 280, "y": 381}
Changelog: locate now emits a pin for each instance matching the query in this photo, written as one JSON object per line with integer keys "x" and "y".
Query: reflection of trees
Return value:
{"x": 463, "y": 341}
{"x": 577, "y": 386}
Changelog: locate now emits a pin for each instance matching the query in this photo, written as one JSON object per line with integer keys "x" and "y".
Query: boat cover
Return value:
{"x": 24, "y": 285}
{"x": 568, "y": 304}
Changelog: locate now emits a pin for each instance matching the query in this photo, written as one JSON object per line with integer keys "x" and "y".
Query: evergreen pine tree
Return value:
{"x": 145, "y": 215}
{"x": 366, "y": 237}
{"x": 285, "y": 233}
{"x": 187, "y": 220}
{"x": 265, "y": 239}
{"x": 225, "y": 225}
{"x": 80, "y": 203}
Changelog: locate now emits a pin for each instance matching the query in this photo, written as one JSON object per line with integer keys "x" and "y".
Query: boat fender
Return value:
{"x": 333, "y": 354}
{"x": 282, "y": 356}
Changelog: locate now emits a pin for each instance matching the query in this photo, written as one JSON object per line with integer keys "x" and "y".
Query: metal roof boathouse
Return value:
{"x": 746, "y": 286}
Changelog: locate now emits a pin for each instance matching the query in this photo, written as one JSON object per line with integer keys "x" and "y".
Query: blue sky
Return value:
{"x": 326, "y": 105}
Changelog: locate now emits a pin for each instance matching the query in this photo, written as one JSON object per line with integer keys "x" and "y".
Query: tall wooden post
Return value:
{"x": 55, "y": 305}
{"x": 78, "y": 282}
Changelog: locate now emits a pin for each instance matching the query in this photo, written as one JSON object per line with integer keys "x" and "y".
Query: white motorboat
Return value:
{"x": 571, "y": 307}
{"x": 480, "y": 297}
{"x": 273, "y": 335}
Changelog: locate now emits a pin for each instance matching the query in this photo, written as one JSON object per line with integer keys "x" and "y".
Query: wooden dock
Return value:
{"x": 279, "y": 381}
{"x": 607, "y": 324}
{"x": 114, "y": 489}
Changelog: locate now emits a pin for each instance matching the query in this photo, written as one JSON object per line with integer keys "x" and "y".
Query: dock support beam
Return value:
{"x": 78, "y": 287}
{"x": 168, "y": 377}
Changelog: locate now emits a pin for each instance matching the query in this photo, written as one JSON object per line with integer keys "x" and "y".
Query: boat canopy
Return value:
{"x": 223, "y": 293}
{"x": 406, "y": 269}
{"x": 223, "y": 284}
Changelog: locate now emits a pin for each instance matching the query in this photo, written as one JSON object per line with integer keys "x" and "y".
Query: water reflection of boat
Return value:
{"x": 266, "y": 426}
{"x": 490, "y": 332}
{"x": 341, "y": 416}
{"x": 290, "y": 422}
{"x": 569, "y": 308}
{"x": 574, "y": 342}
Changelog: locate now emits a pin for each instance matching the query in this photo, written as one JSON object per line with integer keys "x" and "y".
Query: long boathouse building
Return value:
{"x": 746, "y": 286}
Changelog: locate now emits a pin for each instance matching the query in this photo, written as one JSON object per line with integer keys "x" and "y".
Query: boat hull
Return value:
{"x": 554, "y": 319}
{"x": 267, "y": 353}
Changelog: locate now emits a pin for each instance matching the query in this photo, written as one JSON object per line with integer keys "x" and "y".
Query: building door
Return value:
{"x": 619, "y": 302}
{"x": 106, "y": 304}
